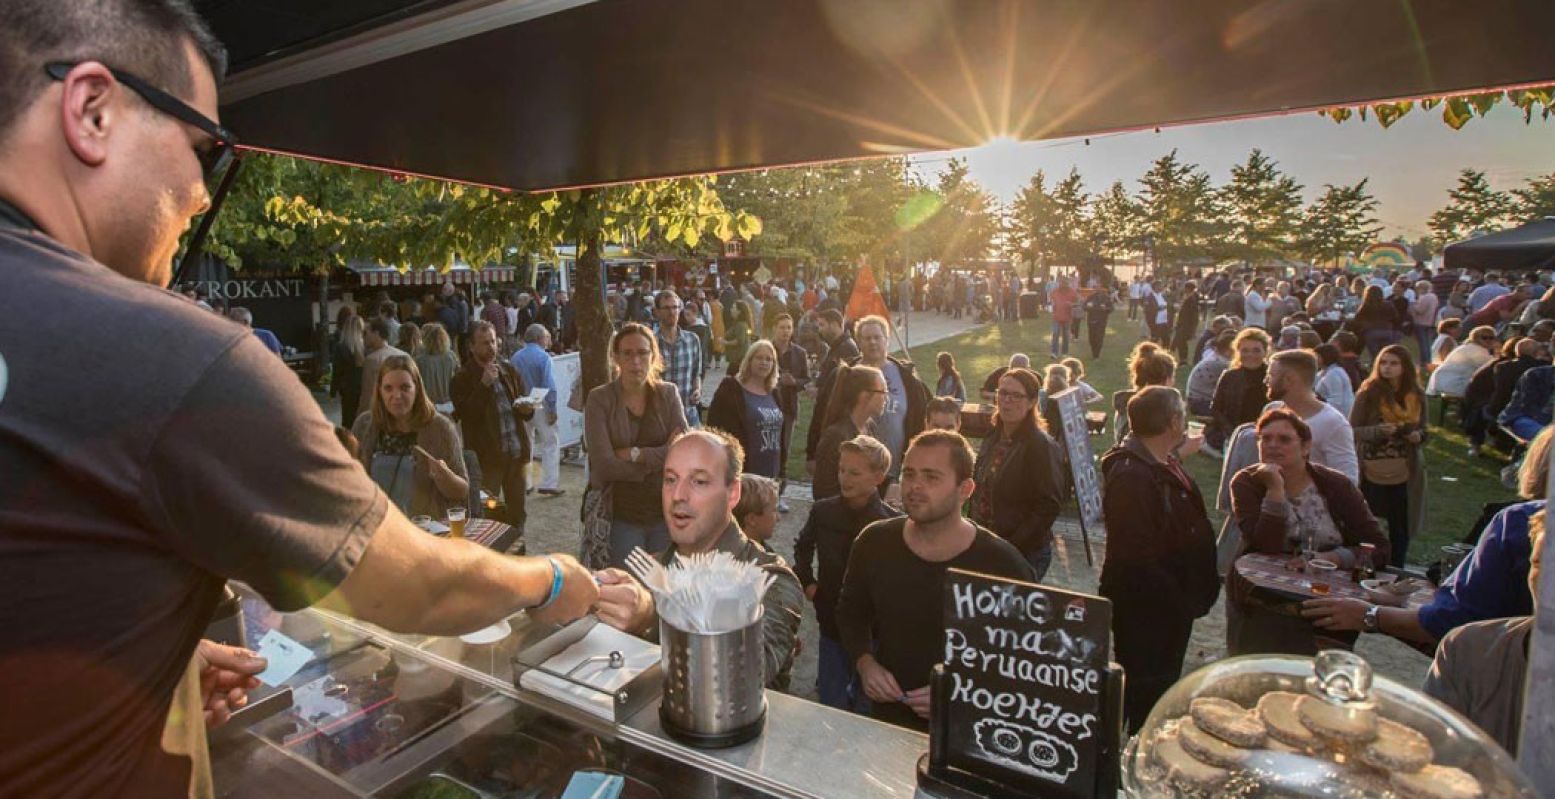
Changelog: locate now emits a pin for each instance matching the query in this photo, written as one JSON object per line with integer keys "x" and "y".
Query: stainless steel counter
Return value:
{"x": 806, "y": 751}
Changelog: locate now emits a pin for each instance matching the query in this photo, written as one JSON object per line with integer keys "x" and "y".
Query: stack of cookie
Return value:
{"x": 1222, "y": 748}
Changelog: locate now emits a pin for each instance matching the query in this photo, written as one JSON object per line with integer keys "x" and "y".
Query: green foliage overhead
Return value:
{"x": 1456, "y": 111}
{"x": 296, "y": 214}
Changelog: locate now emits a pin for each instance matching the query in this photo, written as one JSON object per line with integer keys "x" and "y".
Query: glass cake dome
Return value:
{"x": 1295, "y": 727}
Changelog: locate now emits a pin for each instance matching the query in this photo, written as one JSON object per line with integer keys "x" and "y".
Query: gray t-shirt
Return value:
{"x": 1480, "y": 671}
{"x": 891, "y": 424}
{"x": 149, "y": 450}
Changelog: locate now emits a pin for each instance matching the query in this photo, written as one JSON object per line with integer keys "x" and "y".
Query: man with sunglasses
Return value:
{"x": 141, "y": 469}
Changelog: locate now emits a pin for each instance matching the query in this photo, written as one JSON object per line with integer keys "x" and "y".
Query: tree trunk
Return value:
{"x": 594, "y": 328}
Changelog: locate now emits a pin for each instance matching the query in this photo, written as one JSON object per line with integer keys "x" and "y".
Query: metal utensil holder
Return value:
{"x": 714, "y": 685}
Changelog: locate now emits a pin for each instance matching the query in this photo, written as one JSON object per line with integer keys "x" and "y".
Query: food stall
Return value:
{"x": 370, "y": 713}
{"x": 531, "y": 96}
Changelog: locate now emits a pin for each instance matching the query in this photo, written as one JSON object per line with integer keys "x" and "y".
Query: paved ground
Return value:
{"x": 554, "y": 527}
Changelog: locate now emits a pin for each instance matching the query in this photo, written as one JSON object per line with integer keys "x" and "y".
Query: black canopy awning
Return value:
{"x": 1529, "y": 247}
{"x": 533, "y": 94}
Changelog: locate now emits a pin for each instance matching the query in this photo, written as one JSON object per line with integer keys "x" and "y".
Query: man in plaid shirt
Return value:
{"x": 682, "y": 354}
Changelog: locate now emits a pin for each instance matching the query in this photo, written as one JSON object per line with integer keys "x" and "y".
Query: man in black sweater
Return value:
{"x": 891, "y": 613}
{"x": 1160, "y": 567}
{"x": 828, "y": 536}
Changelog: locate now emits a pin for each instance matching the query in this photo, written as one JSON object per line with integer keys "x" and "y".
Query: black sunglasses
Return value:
{"x": 213, "y": 157}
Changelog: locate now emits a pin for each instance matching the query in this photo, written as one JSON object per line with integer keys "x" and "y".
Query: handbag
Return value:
{"x": 594, "y": 545}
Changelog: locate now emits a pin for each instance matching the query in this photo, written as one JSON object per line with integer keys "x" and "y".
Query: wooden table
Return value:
{"x": 491, "y": 534}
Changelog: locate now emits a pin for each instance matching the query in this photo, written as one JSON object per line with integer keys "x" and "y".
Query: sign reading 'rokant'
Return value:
{"x": 1025, "y": 668}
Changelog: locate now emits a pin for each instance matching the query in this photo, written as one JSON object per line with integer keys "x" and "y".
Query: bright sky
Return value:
{"x": 1411, "y": 165}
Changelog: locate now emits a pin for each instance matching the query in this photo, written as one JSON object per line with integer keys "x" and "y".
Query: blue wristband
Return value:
{"x": 556, "y": 584}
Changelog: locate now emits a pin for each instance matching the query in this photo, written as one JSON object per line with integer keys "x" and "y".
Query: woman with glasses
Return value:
{"x": 860, "y": 396}
{"x": 412, "y": 452}
{"x": 1286, "y": 504}
{"x": 627, "y": 426}
{"x": 1452, "y": 377}
{"x": 1389, "y": 420}
{"x": 1019, "y": 473}
{"x": 745, "y": 406}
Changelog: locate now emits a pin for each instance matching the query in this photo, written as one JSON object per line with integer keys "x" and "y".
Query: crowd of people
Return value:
{"x": 1312, "y": 390}
{"x": 1323, "y": 455}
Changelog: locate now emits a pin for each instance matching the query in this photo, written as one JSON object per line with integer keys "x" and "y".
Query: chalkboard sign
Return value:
{"x": 1082, "y": 464}
{"x": 1024, "y": 689}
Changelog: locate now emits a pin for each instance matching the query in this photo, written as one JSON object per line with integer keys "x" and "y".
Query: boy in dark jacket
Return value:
{"x": 829, "y": 532}
{"x": 1160, "y": 566}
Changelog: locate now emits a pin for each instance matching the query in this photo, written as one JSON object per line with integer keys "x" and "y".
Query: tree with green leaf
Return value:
{"x": 1116, "y": 221}
{"x": 834, "y": 212}
{"x": 289, "y": 213}
{"x": 1072, "y": 242}
{"x": 1472, "y": 205}
{"x": 1341, "y": 222}
{"x": 1263, "y": 207}
{"x": 1051, "y": 227}
{"x": 1181, "y": 211}
{"x": 962, "y": 231}
{"x": 1030, "y": 224}
{"x": 1536, "y": 200}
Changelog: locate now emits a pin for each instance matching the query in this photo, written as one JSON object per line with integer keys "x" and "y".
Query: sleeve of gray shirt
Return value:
{"x": 248, "y": 480}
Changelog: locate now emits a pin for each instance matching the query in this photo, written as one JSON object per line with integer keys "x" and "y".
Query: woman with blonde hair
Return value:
{"x": 411, "y": 451}
{"x": 627, "y": 426}
{"x": 437, "y": 362}
{"x": 745, "y": 406}
{"x": 1019, "y": 472}
{"x": 1148, "y": 365}
{"x": 346, "y": 364}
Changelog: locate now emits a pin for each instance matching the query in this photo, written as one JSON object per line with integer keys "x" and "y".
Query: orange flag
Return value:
{"x": 866, "y": 297}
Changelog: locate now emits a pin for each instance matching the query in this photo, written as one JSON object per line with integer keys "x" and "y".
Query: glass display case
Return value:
{"x": 1283, "y": 726}
{"x": 384, "y": 715}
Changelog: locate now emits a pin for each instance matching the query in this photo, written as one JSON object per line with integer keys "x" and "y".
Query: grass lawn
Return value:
{"x": 1457, "y": 485}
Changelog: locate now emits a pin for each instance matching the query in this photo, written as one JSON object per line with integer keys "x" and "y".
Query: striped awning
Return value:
{"x": 389, "y": 276}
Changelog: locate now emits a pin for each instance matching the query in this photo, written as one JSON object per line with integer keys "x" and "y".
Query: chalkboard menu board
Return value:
{"x": 1024, "y": 680}
{"x": 1082, "y": 463}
